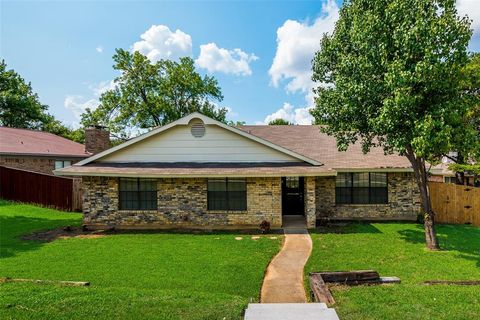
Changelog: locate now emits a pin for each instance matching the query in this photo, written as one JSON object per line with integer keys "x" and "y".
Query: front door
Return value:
{"x": 292, "y": 196}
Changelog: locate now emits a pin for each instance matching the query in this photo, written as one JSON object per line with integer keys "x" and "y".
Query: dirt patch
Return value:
{"x": 64, "y": 233}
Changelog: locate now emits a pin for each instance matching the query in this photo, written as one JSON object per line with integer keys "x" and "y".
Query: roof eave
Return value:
{"x": 393, "y": 169}
{"x": 153, "y": 175}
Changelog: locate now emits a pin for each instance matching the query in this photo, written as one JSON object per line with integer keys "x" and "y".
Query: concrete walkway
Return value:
{"x": 283, "y": 282}
{"x": 289, "y": 311}
{"x": 283, "y": 295}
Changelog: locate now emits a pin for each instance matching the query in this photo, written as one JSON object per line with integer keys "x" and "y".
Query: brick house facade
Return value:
{"x": 35, "y": 163}
{"x": 199, "y": 173}
{"x": 182, "y": 203}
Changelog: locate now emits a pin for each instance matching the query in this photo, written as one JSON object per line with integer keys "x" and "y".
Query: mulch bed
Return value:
{"x": 65, "y": 233}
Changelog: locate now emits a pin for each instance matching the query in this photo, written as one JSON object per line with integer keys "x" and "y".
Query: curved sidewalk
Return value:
{"x": 283, "y": 282}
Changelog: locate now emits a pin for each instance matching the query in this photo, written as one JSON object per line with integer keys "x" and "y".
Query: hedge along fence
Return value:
{"x": 455, "y": 203}
{"x": 32, "y": 187}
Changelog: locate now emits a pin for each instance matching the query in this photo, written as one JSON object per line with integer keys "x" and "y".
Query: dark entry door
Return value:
{"x": 292, "y": 196}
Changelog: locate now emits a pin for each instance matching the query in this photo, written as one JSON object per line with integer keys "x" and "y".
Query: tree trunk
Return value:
{"x": 460, "y": 175}
{"x": 420, "y": 171}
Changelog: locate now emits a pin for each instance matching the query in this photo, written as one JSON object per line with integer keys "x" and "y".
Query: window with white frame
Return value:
{"x": 59, "y": 164}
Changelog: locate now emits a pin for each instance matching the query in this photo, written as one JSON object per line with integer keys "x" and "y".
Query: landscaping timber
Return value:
{"x": 350, "y": 276}
{"x": 320, "y": 291}
{"x": 454, "y": 282}
{"x": 65, "y": 283}
{"x": 319, "y": 282}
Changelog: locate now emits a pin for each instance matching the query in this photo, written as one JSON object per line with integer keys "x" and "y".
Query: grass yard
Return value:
{"x": 396, "y": 249}
{"x": 133, "y": 276}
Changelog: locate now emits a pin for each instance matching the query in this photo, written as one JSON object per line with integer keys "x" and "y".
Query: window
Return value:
{"x": 227, "y": 194}
{"x": 450, "y": 179}
{"x": 292, "y": 182}
{"x": 138, "y": 194}
{"x": 361, "y": 188}
{"x": 59, "y": 164}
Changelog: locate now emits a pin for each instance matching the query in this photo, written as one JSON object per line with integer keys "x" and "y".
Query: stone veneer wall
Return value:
{"x": 403, "y": 201}
{"x": 33, "y": 163}
{"x": 310, "y": 201}
{"x": 182, "y": 203}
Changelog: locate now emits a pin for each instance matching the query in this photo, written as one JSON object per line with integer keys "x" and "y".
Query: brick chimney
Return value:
{"x": 97, "y": 139}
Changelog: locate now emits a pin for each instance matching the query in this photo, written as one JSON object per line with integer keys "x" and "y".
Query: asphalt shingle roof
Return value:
{"x": 305, "y": 140}
{"x": 31, "y": 142}
{"x": 310, "y": 142}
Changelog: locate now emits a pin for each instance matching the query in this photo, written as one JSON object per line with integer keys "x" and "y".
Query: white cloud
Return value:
{"x": 159, "y": 42}
{"x": 297, "y": 43}
{"x": 291, "y": 114}
{"x": 77, "y": 104}
{"x": 101, "y": 87}
{"x": 472, "y": 9}
{"x": 99, "y": 49}
{"x": 216, "y": 59}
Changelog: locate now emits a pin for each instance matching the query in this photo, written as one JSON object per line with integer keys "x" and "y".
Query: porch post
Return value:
{"x": 309, "y": 198}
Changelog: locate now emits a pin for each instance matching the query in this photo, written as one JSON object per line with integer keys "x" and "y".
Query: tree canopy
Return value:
{"x": 279, "y": 122}
{"x": 150, "y": 94}
{"x": 390, "y": 75}
{"x": 467, "y": 159}
{"x": 20, "y": 107}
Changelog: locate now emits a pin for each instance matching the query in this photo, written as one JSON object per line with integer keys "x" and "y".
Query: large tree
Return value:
{"x": 390, "y": 76}
{"x": 19, "y": 105}
{"x": 150, "y": 94}
{"x": 467, "y": 155}
{"x": 279, "y": 122}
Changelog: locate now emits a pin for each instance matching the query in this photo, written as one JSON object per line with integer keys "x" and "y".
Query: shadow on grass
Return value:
{"x": 347, "y": 228}
{"x": 463, "y": 239}
{"x": 201, "y": 232}
{"x": 13, "y": 227}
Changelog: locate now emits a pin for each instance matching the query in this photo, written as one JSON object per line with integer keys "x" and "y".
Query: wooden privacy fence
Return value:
{"x": 32, "y": 187}
{"x": 455, "y": 203}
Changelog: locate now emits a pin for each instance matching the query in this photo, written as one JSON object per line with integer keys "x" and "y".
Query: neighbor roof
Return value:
{"x": 310, "y": 142}
{"x": 30, "y": 142}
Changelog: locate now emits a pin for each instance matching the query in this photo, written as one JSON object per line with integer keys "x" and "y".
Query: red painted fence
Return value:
{"x": 32, "y": 187}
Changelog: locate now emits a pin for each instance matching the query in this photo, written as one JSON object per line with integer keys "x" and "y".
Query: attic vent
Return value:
{"x": 198, "y": 129}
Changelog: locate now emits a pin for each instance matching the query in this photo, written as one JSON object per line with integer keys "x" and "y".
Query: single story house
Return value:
{"x": 197, "y": 172}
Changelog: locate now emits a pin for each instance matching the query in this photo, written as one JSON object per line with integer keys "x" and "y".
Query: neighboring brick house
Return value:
{"x": 442, "y": 173}
{"x": 44, "y": 152}
{"x": 199, "y": 173}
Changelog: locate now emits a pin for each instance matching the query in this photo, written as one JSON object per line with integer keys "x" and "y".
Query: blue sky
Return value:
{"x": 260, "y": 51}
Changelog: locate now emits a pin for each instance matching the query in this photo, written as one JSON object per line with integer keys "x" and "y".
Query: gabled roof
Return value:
{"x": 309, "y": 141}
{"x": 207, "y": 121}
{"x": 15, "y": 141}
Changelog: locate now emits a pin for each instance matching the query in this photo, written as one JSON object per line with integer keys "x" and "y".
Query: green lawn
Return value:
{"x": 398, "y": 250}
{"x": 133, "y": 276}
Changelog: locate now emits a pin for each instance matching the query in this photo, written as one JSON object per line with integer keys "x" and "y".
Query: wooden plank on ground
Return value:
{"x": 454, "y": 282}
{"x": 320, "y": 290}
{"x": 65, "y": 283}
{"x": 350, "y": 276}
